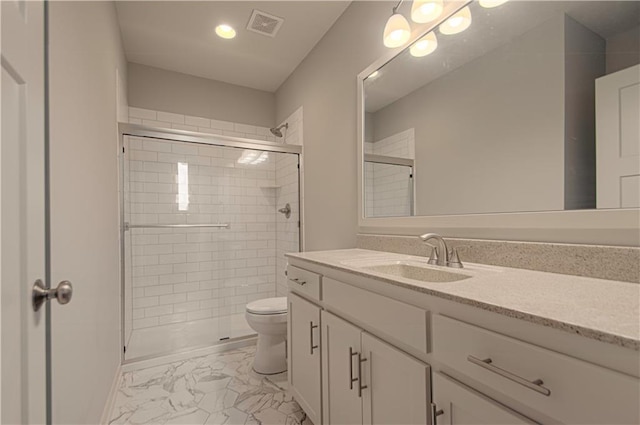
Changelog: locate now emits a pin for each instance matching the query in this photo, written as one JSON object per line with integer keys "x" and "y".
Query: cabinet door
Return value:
{"x": 397, "y": 385}
{"x": 341, "y": 402}
{"x": 457, "y": 404}
{"x": 304, "y": 355}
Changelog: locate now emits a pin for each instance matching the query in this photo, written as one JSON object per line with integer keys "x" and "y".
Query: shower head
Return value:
{"x": 276, "y": 130}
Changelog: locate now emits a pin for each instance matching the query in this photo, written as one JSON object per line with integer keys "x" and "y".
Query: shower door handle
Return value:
{"x": 40, "y": 294}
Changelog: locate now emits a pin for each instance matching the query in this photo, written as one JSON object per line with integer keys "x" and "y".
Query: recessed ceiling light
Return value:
{"x": 225, "y": 31}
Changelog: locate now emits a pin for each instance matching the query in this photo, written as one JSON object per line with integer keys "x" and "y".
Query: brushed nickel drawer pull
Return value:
{"x": 311, "y": 328}
{"x": 299, "y": 282}
{"x": 360, "y": 386}
{"x": 435, "y": 413}
{"x": 532, "y": 385}
{"x": 351, "y": 378}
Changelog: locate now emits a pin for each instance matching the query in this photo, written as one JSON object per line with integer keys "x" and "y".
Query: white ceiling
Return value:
{"x": 179, "y": 36}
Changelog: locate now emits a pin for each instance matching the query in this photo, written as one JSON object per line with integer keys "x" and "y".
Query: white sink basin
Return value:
{"x": 416, "y": 271}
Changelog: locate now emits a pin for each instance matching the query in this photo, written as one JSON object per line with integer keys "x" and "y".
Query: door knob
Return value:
{"x": 40, "y": 293}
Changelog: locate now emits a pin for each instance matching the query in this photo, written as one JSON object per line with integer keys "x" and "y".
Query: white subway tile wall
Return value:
{"x": 293, "y": 134}
{"x": 287, "y": 229}
{"x": 288, "y": 179}
{"x": 388, "y": 187}
{"x": 189, "y": 274}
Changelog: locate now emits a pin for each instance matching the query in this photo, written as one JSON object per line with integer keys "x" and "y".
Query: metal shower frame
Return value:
{"x": 135, "y": 130}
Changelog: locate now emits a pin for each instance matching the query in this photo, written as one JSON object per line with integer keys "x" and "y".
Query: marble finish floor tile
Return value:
{"x": 218, "y": 388}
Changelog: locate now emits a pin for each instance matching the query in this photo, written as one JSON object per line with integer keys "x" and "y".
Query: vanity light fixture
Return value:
{"x": 423, "y": 11}
{"x": 225, "y": 31}
{"x": 397, "y": 30}
{"x": 425, "y": 46}
{"x": 488, "y": 4}
{"x": 457, "y": 23}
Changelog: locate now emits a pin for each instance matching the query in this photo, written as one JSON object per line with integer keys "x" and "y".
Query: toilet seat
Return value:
{"x": 268, "y": 306}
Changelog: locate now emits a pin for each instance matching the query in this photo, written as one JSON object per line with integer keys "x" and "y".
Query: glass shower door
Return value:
{"x": 201, "y": 240}
{"x": 388, "y": 189}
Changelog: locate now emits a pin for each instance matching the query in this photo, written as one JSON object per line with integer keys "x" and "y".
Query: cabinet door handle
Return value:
{"x": 435, "y": 413}
{"x": 487, "y": 363}
{"x": 311, "y": 328}
{"x": 360, "y": 386}
{"x": 299, "y": 282}
{"x": 351, "y": 378}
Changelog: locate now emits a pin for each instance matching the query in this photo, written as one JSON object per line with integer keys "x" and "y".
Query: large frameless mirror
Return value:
{"x": 533, "y": 106}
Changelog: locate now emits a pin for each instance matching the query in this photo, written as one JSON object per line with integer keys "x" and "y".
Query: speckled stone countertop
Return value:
{"x": 604, "y": 310}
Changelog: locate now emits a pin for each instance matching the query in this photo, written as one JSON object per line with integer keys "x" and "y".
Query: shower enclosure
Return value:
{"x": 201, "y": 235}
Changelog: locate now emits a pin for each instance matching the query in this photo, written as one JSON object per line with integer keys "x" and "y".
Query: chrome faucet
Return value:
{"x": 440, "y": 254}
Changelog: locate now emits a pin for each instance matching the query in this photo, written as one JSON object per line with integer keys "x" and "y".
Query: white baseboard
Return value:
{"x": 111, "y": 399}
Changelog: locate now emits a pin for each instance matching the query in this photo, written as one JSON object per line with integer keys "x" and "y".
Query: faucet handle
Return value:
{"x": 454, "y": 259}
{"x": 433, "y": 257}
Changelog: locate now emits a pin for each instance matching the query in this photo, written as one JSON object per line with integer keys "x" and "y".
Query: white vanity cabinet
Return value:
{"x": 456, "y": 404}
{"x": 397, "y": 355}
{"x": 304, "y": 355}
{"x": 564, "y": 388}
{"x": 367, "y": 381}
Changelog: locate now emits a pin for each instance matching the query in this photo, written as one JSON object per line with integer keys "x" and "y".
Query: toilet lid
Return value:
{"x": 268, "y": 306}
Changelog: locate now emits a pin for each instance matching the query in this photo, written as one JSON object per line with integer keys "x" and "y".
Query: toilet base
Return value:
{"x": 270, "y": 358}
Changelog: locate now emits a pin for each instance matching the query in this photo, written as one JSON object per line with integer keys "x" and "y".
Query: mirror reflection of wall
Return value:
{"x": 504, "y": 113}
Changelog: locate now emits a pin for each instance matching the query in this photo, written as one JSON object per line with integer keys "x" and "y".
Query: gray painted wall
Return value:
{"x": 325, "y": 85}
{"x": 85, "y": 54}
{"x": 584, "y": 62}
{"x": 623, "y": 50}
{"x": 169, "y": 91}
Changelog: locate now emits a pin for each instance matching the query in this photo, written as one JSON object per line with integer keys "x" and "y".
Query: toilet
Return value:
{"x": 268, "y": 317}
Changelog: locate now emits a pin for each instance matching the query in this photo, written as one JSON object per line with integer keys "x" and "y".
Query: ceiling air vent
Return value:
{"x": 264, "y": 23}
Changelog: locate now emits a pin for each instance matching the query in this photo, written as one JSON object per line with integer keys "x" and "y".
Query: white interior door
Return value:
{"x": 618, "y": 139}
{"x": 22, "y": 212}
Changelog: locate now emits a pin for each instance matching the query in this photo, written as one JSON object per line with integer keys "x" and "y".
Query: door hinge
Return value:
{"x": 124, "y": 348}
{"x": 123, "y": 149}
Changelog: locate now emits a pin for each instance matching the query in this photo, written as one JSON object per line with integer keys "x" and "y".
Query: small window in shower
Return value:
{"x": 183, "y": 186}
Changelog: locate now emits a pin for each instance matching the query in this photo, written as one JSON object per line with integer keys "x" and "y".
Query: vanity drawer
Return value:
{"x": 392, "y": 320}
{"x": 570, "y": 391}
{"x": 304, "y": 282}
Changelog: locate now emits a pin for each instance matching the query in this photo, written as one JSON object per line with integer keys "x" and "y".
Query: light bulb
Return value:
{"x": 457, "y": 23}
{"x": 423, "y": 11}
{"x": 225, "y": 31}
{"x": 425, "y": 46}
{"x": 397, "y": 31}
{"x": 488, "y": 4}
